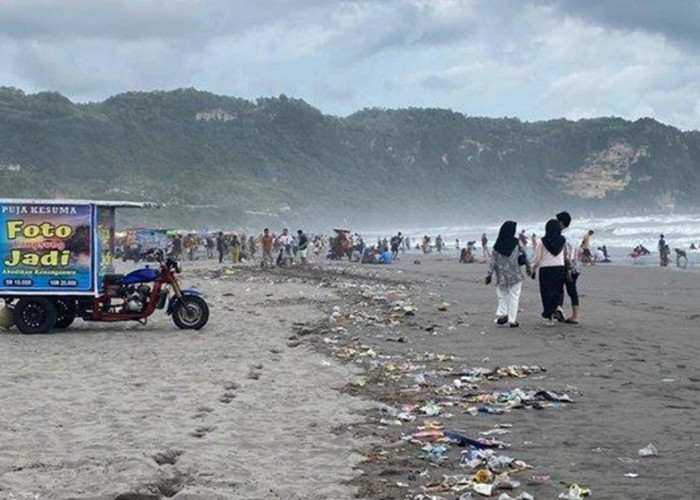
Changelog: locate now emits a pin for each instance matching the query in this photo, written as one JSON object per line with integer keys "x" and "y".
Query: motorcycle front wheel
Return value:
{"x": 191, "y": 312}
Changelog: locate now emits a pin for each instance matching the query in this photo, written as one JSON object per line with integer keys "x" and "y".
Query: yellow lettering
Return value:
{"x": 64, "y": 231}
{"x": 17, "y": 228}
{"x": 54, "y": 258}
{"x": 15, "y": 257}
{"x": 13, "y": 227}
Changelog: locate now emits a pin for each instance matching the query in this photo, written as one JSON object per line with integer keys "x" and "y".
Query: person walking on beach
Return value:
{"x": 235, "y": 248}
{"x": 220, "y": 245}
{"x": 267, "y": 242}
{"x": 549, "y": 259}
{"x": 302, "y": 246}
{"x": 252, "y": 248}
{"x": 564, "y": 219}
{"x": 504, "y": 263}
{"x": 396, "y": 242}
{"x": 426, "y": 244}
{"x": 485, "y": 246}
{"x": 177, "y": 247}
{"x": 522, "y": 237}
{"x": 210, "y": 246}
{"x": 286, "y": 240}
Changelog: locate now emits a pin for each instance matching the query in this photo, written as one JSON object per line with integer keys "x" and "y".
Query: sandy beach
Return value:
{"x": 278, "y": 397}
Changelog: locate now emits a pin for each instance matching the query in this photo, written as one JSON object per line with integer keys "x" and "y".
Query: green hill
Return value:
{"x": 225, "y": 161}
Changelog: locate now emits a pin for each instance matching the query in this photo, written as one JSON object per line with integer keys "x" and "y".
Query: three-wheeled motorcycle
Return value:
{"x": 56, "y": 264}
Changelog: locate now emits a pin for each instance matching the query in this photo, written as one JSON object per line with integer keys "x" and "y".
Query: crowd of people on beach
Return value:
{"x": 275, "y": 249}
{"x": 555, "y": 259}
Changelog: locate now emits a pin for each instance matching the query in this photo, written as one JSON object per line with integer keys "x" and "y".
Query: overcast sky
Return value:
{"x": 534, "y": 60}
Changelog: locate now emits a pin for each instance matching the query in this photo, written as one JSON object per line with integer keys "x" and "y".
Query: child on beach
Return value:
{"x": 504, "y": 263}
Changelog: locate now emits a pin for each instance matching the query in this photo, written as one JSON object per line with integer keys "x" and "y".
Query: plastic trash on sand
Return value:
{"x": 478, "y": 443}
{"x": 575, "y": 492}
{"x": 523, "y": 496}
{"x": 436, "y": 454}
{"x": 483, "y": 489}
{"x": 648, "y": 451}
{"x": 483, "y": 476}
{"x": 431, "y": 409}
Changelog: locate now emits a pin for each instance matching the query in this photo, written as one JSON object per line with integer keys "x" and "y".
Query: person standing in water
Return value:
{"x": 504, "y": 263}
{"x": 549, "y": 259}
{"x": 564, "y": 219}
{"x": 662, "y": 251}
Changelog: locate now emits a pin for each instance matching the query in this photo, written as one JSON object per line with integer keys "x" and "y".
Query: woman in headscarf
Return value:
{"x": 504, "y": 262}
{"x": 549, "y": 259}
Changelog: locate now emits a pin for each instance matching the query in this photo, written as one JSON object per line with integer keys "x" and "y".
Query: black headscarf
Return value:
{"x": 553, "y": 241}
{"x": 506, "y": 241}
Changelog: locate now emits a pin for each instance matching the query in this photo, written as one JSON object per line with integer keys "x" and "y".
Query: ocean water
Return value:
{"x": 619, "y": 234}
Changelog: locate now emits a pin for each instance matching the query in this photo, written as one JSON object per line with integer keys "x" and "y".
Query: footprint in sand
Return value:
{"x": 254, "y": 373}
{"x": 200, "y": 432}
{"x": 230, "y": 393}
{"x": 167, "y": 457}
{"x": 202, "y": 412}
{"x": 227, "y": 397}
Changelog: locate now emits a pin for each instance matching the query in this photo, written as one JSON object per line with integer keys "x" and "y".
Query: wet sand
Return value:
{"x": 266, "y": 401}
{"x": 631, "y": 367}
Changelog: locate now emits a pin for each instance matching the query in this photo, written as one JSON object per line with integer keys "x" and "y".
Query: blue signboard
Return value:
{"x": 47, "y": 248}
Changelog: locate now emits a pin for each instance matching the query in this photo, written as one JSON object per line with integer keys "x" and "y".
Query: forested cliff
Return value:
{"x": 225, "y": 161}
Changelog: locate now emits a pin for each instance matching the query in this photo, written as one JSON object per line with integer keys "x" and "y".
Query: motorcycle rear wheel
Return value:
{"x": 191, "y": 313}
{"x": 35, "y": 315}
{"x": 66, "y": 311}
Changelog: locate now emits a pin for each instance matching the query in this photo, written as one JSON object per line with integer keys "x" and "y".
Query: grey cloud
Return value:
{"x": 132, "y": 20}
{"x": 536, "y": 60}
{"x": 385, "y": 26}
{"x": 439, "y": 82}
{"x": 678, "y": 20}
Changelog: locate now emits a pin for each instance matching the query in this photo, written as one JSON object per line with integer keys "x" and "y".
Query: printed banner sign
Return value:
{"x": 146, "y": 239}
{"x": 46, "y": 248}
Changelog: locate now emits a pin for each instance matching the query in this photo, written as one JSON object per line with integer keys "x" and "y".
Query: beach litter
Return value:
{"x": 435, "y": 453}
{"x": 476, "y": 442}
{"x": 575, "y": 492}
{"x": 541, "y": 479}
{"x": 648, "y": 451}
{"x": 421, "y": 387}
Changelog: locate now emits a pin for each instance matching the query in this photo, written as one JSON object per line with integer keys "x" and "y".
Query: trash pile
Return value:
{"x": 420, "y": 392}
{"x": 433, "y": 423}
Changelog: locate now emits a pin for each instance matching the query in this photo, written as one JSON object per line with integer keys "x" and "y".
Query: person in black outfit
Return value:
{"x": 220, "y": 245}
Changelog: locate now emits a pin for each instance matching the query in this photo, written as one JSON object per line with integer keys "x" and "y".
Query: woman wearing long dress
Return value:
{"x": 549, "y": 259}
